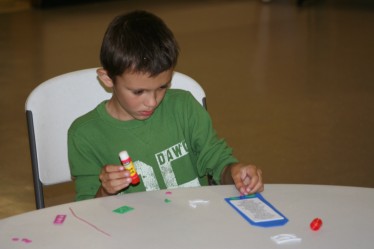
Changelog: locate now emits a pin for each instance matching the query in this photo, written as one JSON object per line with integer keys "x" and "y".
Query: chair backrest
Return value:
{"x": 54, "y": 105}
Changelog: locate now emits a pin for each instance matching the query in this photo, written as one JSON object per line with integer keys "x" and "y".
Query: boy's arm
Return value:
{"x": 101, "y": 192}
{"x": 246, "y": 177}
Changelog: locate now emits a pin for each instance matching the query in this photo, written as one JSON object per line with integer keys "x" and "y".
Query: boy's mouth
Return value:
{"x": 146, "y": 113}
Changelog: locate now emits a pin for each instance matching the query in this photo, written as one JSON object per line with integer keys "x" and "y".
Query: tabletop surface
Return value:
{"x": 166, "y": 219}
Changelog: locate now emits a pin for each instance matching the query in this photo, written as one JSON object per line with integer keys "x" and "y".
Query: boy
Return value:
{"x": 167, "y": 133}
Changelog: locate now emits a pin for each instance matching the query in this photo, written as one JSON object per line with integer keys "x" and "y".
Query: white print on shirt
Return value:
{"x": 172, "y": 153}
{"x": 164, "y": 159}
{"x": 148, "y": 175}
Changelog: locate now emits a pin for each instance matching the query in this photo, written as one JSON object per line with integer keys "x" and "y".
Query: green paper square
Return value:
{"x": 123, "y": 209}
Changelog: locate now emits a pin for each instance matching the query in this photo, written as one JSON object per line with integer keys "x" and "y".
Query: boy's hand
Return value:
{"x": 247, "y": 178}
{"x": 113, "y": 179}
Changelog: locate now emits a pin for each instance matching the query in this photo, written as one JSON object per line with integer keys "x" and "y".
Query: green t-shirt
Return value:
{"x": 176, "y": 147}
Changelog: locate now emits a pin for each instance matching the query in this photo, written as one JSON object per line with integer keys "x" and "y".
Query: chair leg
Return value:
{"x": 39, "y": 194}
{"x": 38, "y": 186}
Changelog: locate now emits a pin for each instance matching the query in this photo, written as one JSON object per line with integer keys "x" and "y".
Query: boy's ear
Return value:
{"x": 103, "y": 76}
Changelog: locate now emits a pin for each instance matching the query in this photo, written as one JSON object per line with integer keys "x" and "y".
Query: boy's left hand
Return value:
{"x": 247, "y": 178}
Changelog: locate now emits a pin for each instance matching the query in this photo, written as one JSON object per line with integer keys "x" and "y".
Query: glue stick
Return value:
{"x": 128, "y": 164}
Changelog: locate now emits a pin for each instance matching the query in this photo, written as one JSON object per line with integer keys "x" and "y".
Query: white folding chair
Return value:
{"x": 54, "y": 105}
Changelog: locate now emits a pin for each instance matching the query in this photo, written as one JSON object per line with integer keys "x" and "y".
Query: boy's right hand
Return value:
{"x": 113, "y": 179}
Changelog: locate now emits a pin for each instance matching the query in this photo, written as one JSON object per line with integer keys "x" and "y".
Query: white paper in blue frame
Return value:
{"x": 266, "y": 216}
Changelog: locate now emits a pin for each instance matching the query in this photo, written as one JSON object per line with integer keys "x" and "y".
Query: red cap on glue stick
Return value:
{"x": 128, "y": 164}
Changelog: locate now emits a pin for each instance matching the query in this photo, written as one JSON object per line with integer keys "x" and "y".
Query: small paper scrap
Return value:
{"x": 25, "y": 240}
{"x": 195, "y": 203}
{"x": 285, "y": 238}
{"x": 60, "y": 218}
{"x": 123, "y": 209}
{"x": 167, "y": 200}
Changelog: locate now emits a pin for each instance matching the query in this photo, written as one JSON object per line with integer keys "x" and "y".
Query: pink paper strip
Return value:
{"x": 88, "y": 223}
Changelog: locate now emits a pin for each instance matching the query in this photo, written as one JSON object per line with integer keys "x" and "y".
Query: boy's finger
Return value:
{"x": 113, "y": 168}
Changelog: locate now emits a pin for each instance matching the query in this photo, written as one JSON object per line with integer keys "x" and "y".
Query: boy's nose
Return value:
{"x": 151, "y": 101}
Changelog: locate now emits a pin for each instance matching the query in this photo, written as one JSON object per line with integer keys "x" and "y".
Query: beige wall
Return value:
{"x": 290, "y": 90}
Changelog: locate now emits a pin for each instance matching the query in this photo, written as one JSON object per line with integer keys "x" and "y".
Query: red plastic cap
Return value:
{"x": 316, "y": 224}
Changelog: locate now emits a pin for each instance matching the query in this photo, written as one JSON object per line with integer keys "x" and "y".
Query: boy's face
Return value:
{"x": 135, "y": 95}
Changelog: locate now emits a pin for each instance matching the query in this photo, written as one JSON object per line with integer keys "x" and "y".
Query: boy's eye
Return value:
{"x": 141, "y": 91}
{"x": 138, "y": 92}
{"x": 165, "y": 86}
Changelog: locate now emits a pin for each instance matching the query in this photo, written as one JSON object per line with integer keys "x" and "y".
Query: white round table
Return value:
{"x": 165, "y": 219}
